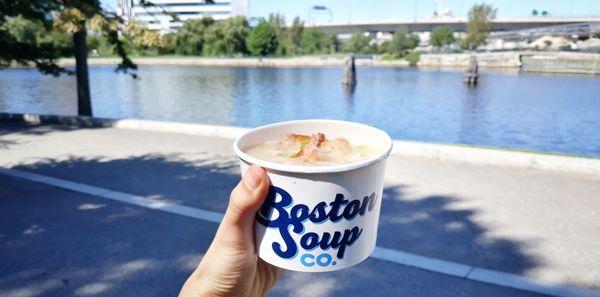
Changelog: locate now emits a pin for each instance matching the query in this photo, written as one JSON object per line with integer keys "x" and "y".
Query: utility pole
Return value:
{"x": 415, "y": 12}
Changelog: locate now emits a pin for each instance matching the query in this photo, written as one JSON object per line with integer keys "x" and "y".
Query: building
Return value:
{"x": 156, "y": 18}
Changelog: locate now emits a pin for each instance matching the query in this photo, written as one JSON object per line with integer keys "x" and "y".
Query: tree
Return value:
{"x": 166, "y": 44}
{"x": 294, "y": 36}
{"x": 262, "y": 40}
{"x": 139, "y": 38}
{"x": 70, "y": 17}
{"x": 98, "y": 45}
{"x": 360, "y": 43}
{"x": 189, "y": 39}
{"x": 441, "y": 36}
{"x": 314, "y": 41}
{"x": 383, "y": 48}
{"x": 24, "y": 30}
{"x": 479, "y": 25}
{"x": 402, "y": 42}
{"x": 277, "y": 21}
{"x": 227, "y": 37}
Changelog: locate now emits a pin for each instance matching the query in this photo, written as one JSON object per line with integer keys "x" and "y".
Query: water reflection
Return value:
{"x": 549, "y": 113}
{"x": 473, "y": 121}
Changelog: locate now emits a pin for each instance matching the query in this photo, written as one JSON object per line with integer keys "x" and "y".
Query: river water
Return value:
{"x": 518, "y": 111}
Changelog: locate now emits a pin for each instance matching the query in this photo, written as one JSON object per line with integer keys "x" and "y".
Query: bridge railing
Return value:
{"x": 582, "y": 29}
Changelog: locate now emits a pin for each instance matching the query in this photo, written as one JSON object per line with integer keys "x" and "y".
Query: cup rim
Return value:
{"x": 313, "y": 169}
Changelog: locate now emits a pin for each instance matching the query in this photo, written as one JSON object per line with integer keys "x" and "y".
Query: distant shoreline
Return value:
{"x": 239, "y": 62}
{"x": 526, "y": 61}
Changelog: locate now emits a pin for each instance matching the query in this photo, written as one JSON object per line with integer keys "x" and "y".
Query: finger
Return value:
{"x": 245, "y": 200}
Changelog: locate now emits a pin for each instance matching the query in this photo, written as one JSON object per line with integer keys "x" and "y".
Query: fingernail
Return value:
{"x": 252, "y": 177}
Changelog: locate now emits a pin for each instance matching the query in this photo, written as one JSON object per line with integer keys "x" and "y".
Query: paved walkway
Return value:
{"x": 536, "y": 224}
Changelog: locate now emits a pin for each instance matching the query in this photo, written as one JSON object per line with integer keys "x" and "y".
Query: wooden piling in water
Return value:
{"x": 471, "y": 76}
{"x": 349, "y": 72}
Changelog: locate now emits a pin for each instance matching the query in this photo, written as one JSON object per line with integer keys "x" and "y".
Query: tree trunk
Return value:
{"x": 84, "y": 101}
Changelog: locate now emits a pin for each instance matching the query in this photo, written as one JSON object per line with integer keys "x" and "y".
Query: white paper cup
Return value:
{"x": 318, "y": 218}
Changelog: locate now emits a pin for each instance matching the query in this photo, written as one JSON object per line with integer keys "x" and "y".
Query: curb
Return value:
{"x": 442, "y": 152}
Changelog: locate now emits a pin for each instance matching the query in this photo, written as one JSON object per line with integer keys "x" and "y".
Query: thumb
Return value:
{"x": 245, "y": 200}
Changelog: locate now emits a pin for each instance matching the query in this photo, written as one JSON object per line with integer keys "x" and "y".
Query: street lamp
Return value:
{"x": 317, "y": 10}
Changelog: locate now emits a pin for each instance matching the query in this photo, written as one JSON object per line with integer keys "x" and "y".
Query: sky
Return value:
{"x": 369, "y": 10}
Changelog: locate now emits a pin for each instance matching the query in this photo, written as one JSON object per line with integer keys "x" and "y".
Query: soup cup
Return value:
{"x": 318, "y": 218}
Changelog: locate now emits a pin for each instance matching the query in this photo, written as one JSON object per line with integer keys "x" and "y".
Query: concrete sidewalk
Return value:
{"x": 533, "y": 223}
{"x": 81, "y": 245}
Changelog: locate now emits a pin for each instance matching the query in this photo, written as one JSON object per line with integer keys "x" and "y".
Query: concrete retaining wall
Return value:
{"x": 241, "y": 62}
{"x": 486, "y": 60}
{"x": 563, "y": 62}
{"x": 548, "y": 62}
{"x": 443, "y": 152}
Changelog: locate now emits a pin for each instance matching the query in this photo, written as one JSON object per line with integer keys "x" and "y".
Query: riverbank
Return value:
{"x": 527, "y": 61}
{"x": 325, "y": 61}
{"x": 442, "y": 152}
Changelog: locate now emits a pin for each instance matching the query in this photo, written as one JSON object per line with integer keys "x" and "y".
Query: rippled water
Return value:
{"x": 520, "y": 111}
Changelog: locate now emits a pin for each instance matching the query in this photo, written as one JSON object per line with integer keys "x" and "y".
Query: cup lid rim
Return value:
{"x": 313, "y": 169}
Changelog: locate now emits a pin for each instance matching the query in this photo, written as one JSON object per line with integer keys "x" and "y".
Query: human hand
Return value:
{"x": 231, "y": 266}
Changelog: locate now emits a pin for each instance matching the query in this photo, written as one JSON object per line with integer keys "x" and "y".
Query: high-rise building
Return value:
{"x": 156, "y": 19}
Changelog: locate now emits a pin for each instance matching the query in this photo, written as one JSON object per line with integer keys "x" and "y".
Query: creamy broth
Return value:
{"x": 313, "y": 150}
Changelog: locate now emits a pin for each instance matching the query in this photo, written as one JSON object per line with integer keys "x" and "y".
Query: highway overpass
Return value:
{"x": 456, "y": 24}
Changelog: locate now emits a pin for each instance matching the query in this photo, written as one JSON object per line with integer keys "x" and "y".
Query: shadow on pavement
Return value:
{"x": 9, "y": 131}
{"x": 56, "y": 242}
{"x": 437, "y": 227}
{"x": 429, "y": 226}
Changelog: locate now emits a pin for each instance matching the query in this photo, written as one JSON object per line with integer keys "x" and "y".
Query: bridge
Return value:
{"x": 568, "y": 30}
{"x": 457, "y": 24}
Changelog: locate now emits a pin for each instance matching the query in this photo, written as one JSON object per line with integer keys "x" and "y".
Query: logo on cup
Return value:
{"x": 337, "y": 210}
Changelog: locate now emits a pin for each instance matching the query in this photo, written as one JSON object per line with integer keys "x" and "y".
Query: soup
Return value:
{"x": 312, "y": 150}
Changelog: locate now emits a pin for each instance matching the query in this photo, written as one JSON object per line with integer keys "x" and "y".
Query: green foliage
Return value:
{"x": 99, "y": 45}
{"x": 293, "y": 36}
{"x": 387, "y": 57}
{"x": 462, "y": 43}
{"x": 441, "y": 36}
{"x": 189, "y": 40}
{"x": 26, "y": 34}
{"x": 314, "y": 41}
{"x": 383, "y": 48}
{"x": 277, "y": 22}
{"x": 61, "y": 42}
{"x": 57, "y": 21}
{"x": 24, "y": 30}
{"x": 227, "y": 37}
{"x": 166, "y": 44}
{"x": 479, "y": 25}
{"x": 140, "y": 40}
{"x": 402, "y": 42}
{"x": 412, "y": 58}
{"x": 262, "y": 40}
{"x": 361, "y": 44}
{"x": 567, "y": 47}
